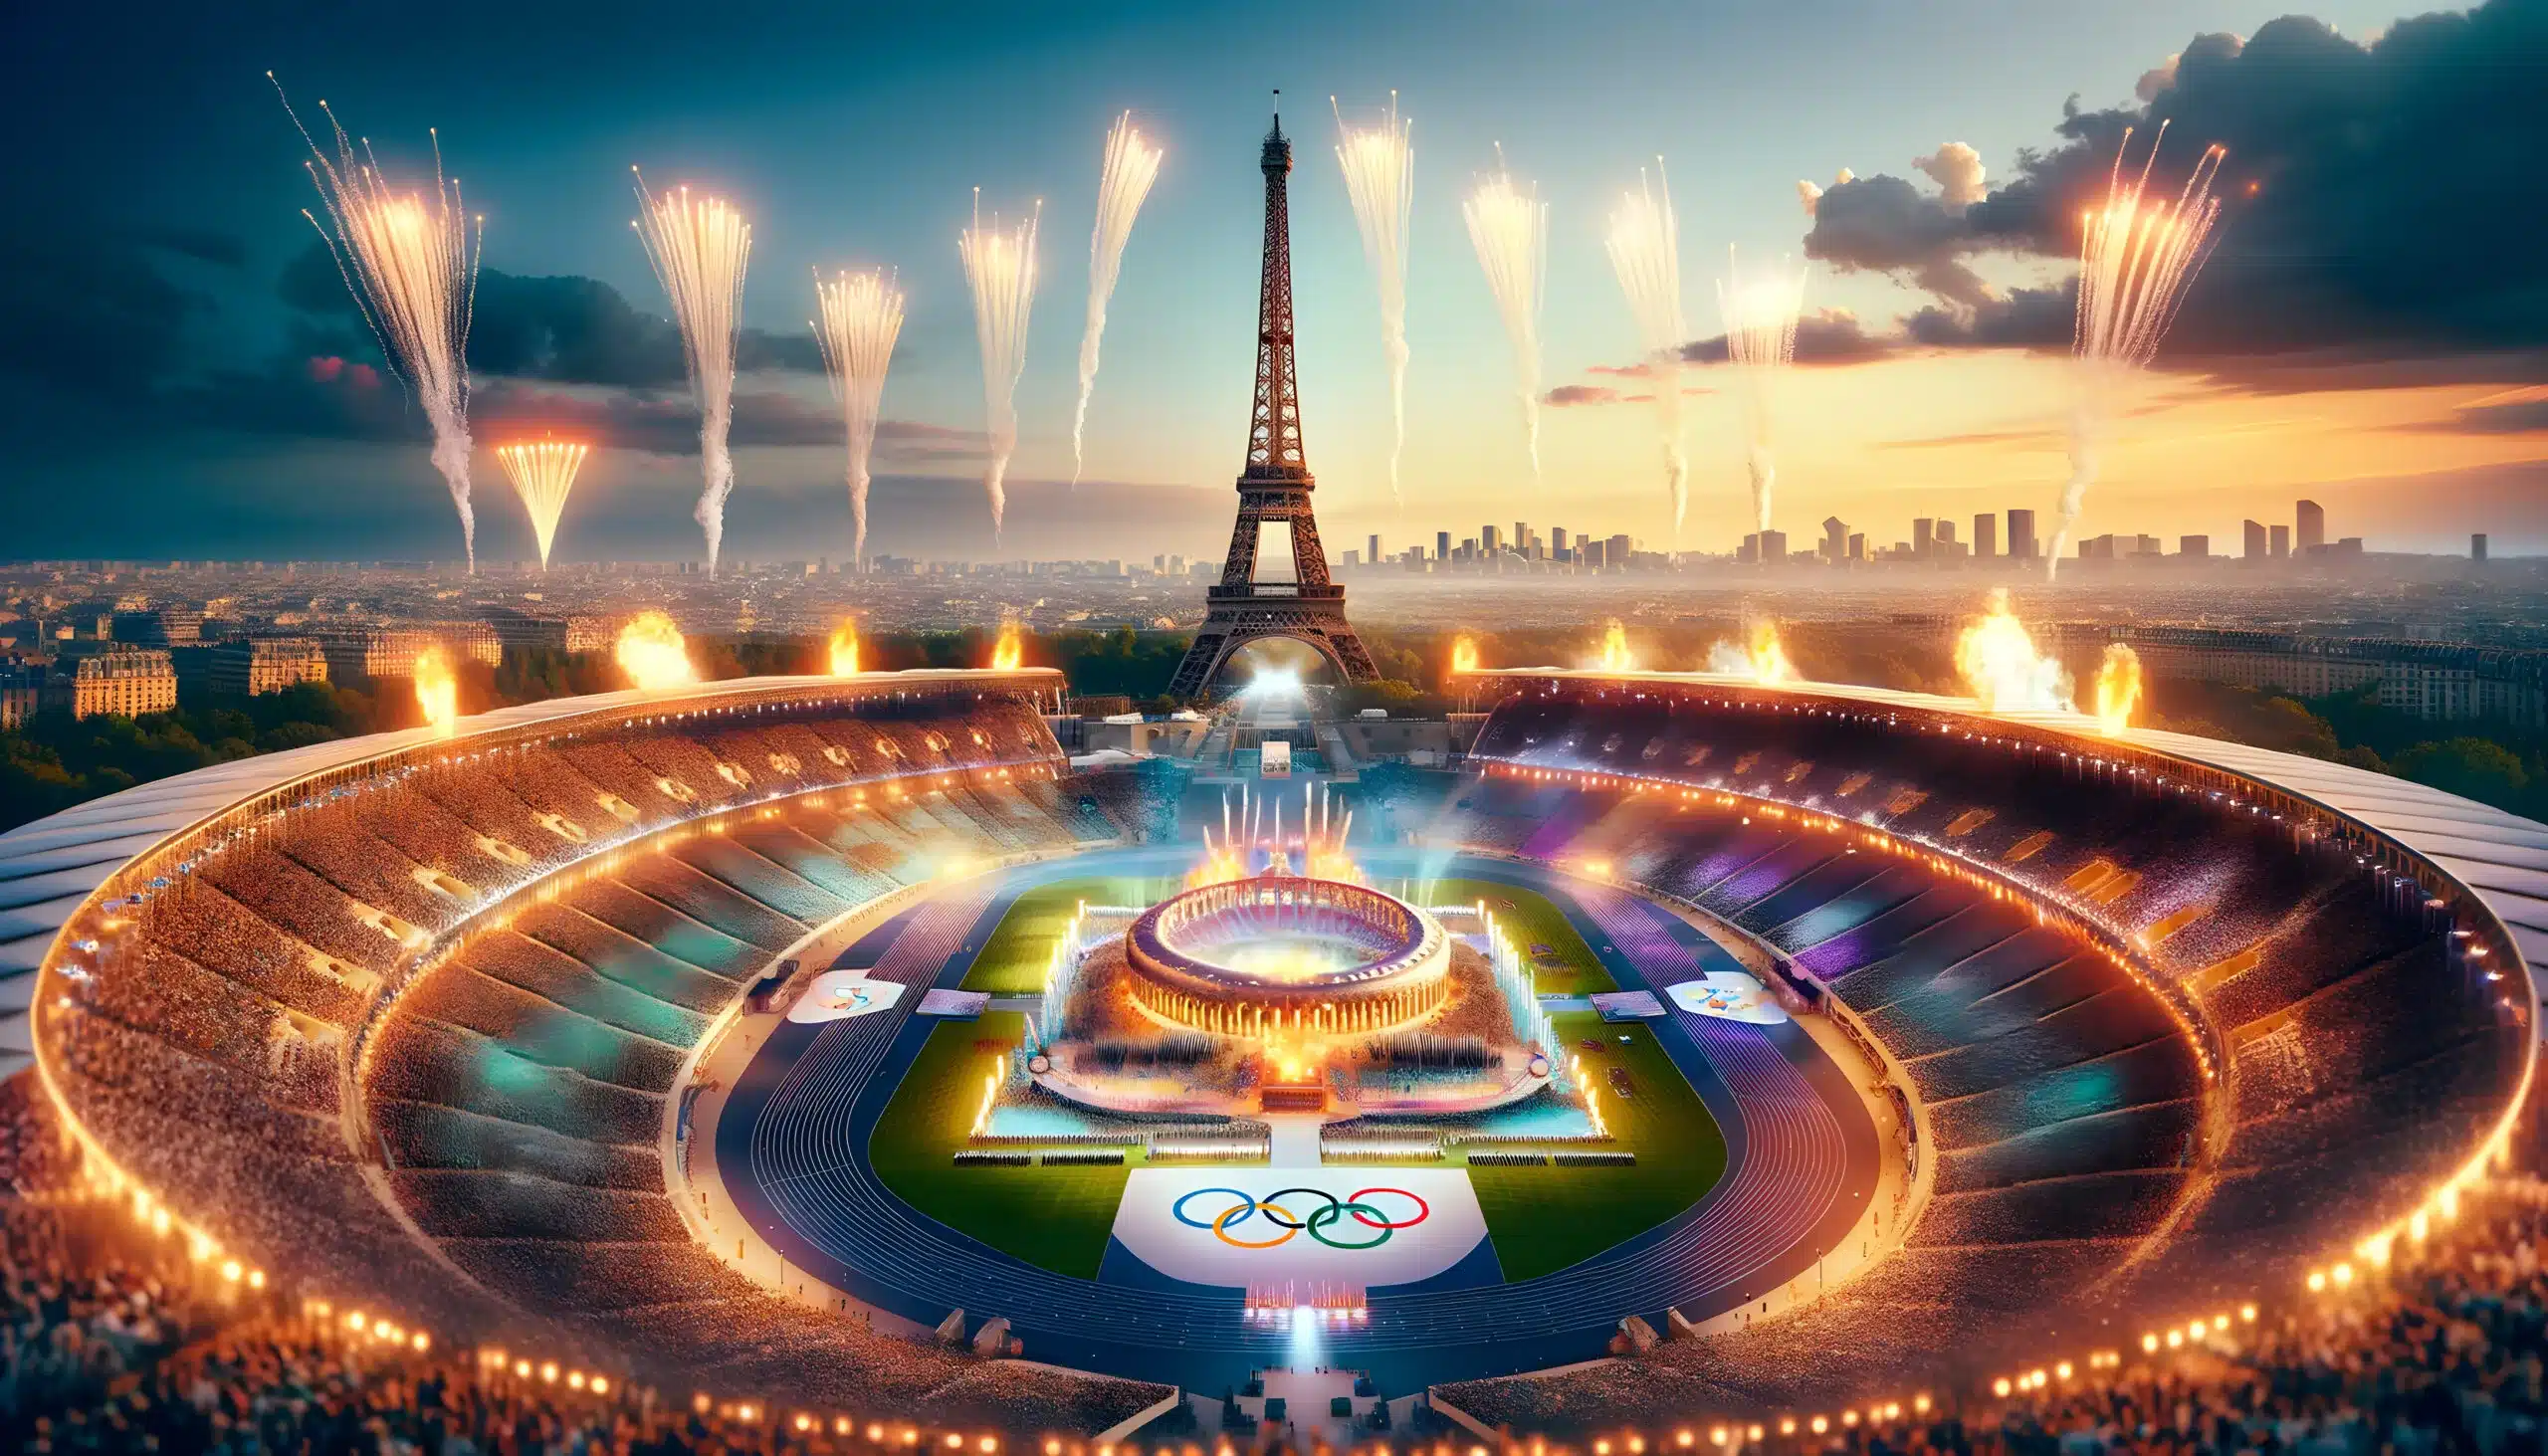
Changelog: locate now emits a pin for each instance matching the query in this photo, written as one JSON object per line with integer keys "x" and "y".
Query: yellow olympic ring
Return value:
{"x": 1236, "y": 1209}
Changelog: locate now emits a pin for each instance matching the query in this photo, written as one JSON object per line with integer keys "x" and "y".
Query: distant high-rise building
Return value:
{"x": 1836, "y": 538}
{"x": 2281, "y": 536}
{"x": 1774, "y": 547}
{"x": 1557, "y": 540}
{"x": 2197, "y": 546}
{"x": 1442, "y": 546}
{"x": 1985, "y": 534}
{"x": 1857, "y": 545}
{"x": 1945, "y": 536}
{"x": 1924, "y": 538}
{"x": 1594, "y": 554}
{"x": 1622, "y": 546}
{"x": 2312, "y": 530}
{"x": 1522, "y": 539}
{"x": 2021, "y": 546}
{"x": 1375, "y": 553}
{"x": 2253, "y": 547}
{"x": 2478, "y": 546}
{"x": 1490, "y": 539}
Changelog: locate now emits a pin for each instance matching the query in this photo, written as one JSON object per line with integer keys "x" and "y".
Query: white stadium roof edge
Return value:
{"x": 48, "y": 868}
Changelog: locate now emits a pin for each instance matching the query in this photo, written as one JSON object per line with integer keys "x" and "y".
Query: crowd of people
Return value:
{"x": 114, "y": 1342}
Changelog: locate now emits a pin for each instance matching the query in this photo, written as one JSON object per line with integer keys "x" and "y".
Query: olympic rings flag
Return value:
{"x": 1242, "y": 1227}
{"x": 1238, "y": 1207}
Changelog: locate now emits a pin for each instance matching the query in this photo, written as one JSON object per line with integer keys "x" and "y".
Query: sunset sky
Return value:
{"x": 2372, "y": 330}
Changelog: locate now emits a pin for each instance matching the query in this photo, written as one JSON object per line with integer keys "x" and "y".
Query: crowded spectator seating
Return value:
{"x": 503, "y": 958}
{"x": 2056, "y": 1037}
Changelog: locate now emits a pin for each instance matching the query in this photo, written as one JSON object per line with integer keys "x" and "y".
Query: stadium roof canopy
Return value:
{"x": 48, "y": 867}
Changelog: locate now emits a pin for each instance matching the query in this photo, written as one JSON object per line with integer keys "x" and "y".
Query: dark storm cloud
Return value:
{"x": 567, "y": 330}
{"x": 104, "y": 331}
{"x": 2377, "y": 197}
{"x": 2035, "y": 319}
{"x": 1884, "y": 224}
{"x": 667, "y": 423}
{"x": 93, "y": 310}
{"x": 1825, "y": 336}
{"x": 1568, "y": 395}
{"x": 2510, "y": 412}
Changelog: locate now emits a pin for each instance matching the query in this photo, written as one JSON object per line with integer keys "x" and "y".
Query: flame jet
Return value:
{"x": 2118, "y": 689}
{"x": 862, "y": 316}
{"x": 412, "y": 268}
{"x": 1122, "y": 183}
{"x": 999, "y": 266}
{"x": 1645, "y": 251}
{"x": 542, "y": 473}
{"x": 1760, "y": 312}
{"x": 700, "y": 249}
{"x": 1380, "y": 179}
{"x": 653, "y": 654}
{"x": 1996, "y": 658}
{"x": 1509, "y": 225}
{"x": 2137, "y": 260}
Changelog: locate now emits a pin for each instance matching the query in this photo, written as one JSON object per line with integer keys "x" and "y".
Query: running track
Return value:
{"x": 1801, "y": 1158}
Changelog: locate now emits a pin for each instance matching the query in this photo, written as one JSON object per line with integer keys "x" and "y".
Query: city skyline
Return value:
{"x": 193, "y": 379}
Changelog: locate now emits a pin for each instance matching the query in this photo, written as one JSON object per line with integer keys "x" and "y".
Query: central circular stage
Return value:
{"x": 1734, "y": 1157}
{"x": 1244, "y": 957}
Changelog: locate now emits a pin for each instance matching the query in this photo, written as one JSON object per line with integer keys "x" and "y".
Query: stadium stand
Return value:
{"x": 508, "y": 951}
{"x": 2254, "y": 1043}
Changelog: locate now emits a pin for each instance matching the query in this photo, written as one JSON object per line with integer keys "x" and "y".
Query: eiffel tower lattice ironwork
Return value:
{"x": 1274, "y": 490}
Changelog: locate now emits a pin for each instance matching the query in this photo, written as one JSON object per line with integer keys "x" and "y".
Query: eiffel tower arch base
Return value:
{"x": 1225, "y": 631}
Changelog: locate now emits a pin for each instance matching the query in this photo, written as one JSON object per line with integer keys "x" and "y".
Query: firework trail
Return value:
{"x": 1380, "y": 177}
{"x": 862, "y": 316}
{"x": 1132, "y": 166}
{"x": 1645, "y": 251}
{"x": 999, "y": 265}
{"x": 2137, "y": 260}
{"x": 700, "y": 249}
{"x": 1760, "y": 313}
{"x": 1509, "y": 225}
{"x": 412, "y": 268}
{"x": 543, "y": 472}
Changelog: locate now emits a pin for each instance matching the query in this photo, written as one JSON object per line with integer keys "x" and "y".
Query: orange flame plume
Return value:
{"x": 1615, "y": 657}
{"x": 2118, "y": 689}
{"x": 437, "y": 690}
{"x": 1998, "y": 660}
{"x": 844, "y": 649}
{"x": 651, "y": 652}
{"x": 1009, "y": 653}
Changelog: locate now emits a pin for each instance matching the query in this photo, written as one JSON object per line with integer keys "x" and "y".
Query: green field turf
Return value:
{"x": 1530, "y": 919}
{"x": 1543, "y": 1219}
{"x": 1057, "y": 1219}
{"x": 1013, "y": 959}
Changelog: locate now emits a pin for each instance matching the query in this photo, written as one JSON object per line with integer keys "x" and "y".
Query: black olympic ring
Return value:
{"x": 1334, "y": 1212}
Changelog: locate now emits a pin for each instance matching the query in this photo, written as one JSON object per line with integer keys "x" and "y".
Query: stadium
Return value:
{"x": 1687, "y": 1048}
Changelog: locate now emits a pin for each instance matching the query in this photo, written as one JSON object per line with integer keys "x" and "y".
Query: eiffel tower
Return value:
{"x": 1274, "y": 490}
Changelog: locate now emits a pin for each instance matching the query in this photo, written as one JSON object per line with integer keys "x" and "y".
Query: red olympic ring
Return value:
{"x": 1423, "y": 1210}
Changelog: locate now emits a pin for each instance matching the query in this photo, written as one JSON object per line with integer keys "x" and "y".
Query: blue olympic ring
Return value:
{"x": 1318, "y": 1222}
